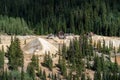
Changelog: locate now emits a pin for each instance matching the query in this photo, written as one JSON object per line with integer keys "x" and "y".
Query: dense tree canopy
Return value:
{"x": 76, "y": 16}
{"x": 11, "y": 25}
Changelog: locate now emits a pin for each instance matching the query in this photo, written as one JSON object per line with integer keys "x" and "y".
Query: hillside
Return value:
{"x": 59, "y": 39}
{"x": 40, "y": 46}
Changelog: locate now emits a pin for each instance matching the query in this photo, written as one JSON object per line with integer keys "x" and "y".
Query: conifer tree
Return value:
{"x": 31, "y": 71}
{"x": 32, "y": 67}
{"x": 48, "y": 61}
{"x": 40, "y": 73}
{"x": 2, "y": 60}
{"x": 22, "y": 70}
{"x": 62, "y": 66}
{"x": 15, "y": 54}
{"x": 97, "y": 75}
{"x": 83, "y": 77}
{"x": 97, "y": 63}
{"x": 64, "y": 50}
{"x": 0, "y": 41}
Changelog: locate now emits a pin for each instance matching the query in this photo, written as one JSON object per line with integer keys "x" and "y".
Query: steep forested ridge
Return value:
{"x": 76, "y": 16}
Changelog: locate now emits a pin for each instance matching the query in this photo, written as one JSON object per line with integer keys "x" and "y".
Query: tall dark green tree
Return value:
{"x": 32, "y": 67}
{"x": 15, "y": 54}
{"x": 2, "y": 53}
{"x": 48, "y": 61}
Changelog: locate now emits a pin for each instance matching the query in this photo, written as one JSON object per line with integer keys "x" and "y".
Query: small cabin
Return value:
{"x": 61, "y": 35}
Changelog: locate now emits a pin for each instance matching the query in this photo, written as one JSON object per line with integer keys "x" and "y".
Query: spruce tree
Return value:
{"x": 48, "y": 61}
{"x": 83, "y": 77}
{"x": 97, "y": 75}
{"x": 22, "y": 70}
{"x": 31, "y": 71}
{"x": 0, "y": 41}
{"x": 2, "y": 60}
{"x": 15, "y": 54}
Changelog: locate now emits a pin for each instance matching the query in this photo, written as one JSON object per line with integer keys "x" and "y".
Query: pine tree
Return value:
{"x": 5, "y": 75}
{"x": 72, "y": 23}
{"x": 2, "y": 60}
{"x": 0, "y": 41}
{"x": 97, "y": 63}
{"x": 37, "y": 63}
{"x": 31, "y": 71}
{"x": 115, "y": 65}
{"x": 83, "y": 77}
{"x": 34, "y": 62}
{"x": 88, "y": 64}
{"x": 40, "y": 73}
{"x": 62, "y": 66}
{"x": 97, "y": 76}
{"x": 64, "y": 50}
{"x": 22, "y": 70}
{"x": 48, "y": 61}
{"x": 14, "y": 54}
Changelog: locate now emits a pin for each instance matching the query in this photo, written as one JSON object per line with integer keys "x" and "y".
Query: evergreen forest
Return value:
{"x": 50, "y": 16}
